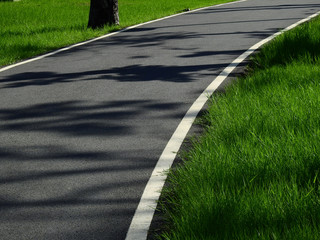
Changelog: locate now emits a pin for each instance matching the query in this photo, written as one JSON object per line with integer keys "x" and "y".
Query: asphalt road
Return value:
{"x": 81, "y": 131}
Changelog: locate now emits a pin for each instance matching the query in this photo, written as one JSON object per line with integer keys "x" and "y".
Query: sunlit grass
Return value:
{"x": 32, "y": 27}
{"x": 255, "y": 173}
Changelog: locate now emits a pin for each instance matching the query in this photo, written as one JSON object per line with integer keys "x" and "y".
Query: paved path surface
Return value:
{"x": 81, "y": 131}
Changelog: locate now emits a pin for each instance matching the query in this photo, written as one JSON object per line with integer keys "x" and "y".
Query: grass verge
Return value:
{"x": 31, "y": 27}
{"x": 254, "y": 174}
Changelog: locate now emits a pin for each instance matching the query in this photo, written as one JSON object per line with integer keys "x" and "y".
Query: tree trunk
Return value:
{"x": 103, "y": 12}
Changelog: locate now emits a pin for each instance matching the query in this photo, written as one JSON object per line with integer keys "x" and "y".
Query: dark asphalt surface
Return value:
{"x": 81, "y": 131}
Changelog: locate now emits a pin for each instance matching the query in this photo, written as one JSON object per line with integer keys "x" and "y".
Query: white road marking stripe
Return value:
{"x": 143, "y": 216}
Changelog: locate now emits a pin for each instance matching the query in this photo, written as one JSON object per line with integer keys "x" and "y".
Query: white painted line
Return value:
{"x": 144, "y": 213}
{"x": 106, "y": 36}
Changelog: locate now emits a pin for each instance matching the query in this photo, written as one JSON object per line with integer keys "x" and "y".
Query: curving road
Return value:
{"x": 82, "y": 130}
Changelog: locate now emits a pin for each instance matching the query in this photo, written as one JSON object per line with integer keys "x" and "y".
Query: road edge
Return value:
{"x": 142, "y": 219}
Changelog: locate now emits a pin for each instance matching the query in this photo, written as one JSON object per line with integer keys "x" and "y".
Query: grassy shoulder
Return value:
{"x": 255, "y": 172}
{"x": 31, "y": 27}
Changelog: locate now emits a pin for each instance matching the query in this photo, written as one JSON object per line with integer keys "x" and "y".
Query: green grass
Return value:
{"x": 32, "y": 27}
{"x": 255, "y": 174}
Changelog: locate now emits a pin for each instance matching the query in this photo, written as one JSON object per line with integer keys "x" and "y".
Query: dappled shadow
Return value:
{"x": 147, "y": 40}
{"x": 76, "y": 118}
{"x": 77, "y": 167}
{"x": 213, "y": 53}
{"x": 160, "y": 73}
{"x": 147, "y": 37}
{"x": 133, "y": 73}
{"x": 67, "y": 118}
{"x": 49, "y": 173}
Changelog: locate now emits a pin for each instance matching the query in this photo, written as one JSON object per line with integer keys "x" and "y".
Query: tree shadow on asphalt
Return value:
{"x": 58, "y": 165}
{"x": 141, "y": 70}
{"x": 133, "y": 73}
{"x": 81, "y": 118}
{"x": 52, "y": 181}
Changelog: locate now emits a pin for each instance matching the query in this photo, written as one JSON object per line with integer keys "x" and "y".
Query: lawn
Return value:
{"x": 31, "y": 27}
{"x": 254, "y": 174}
